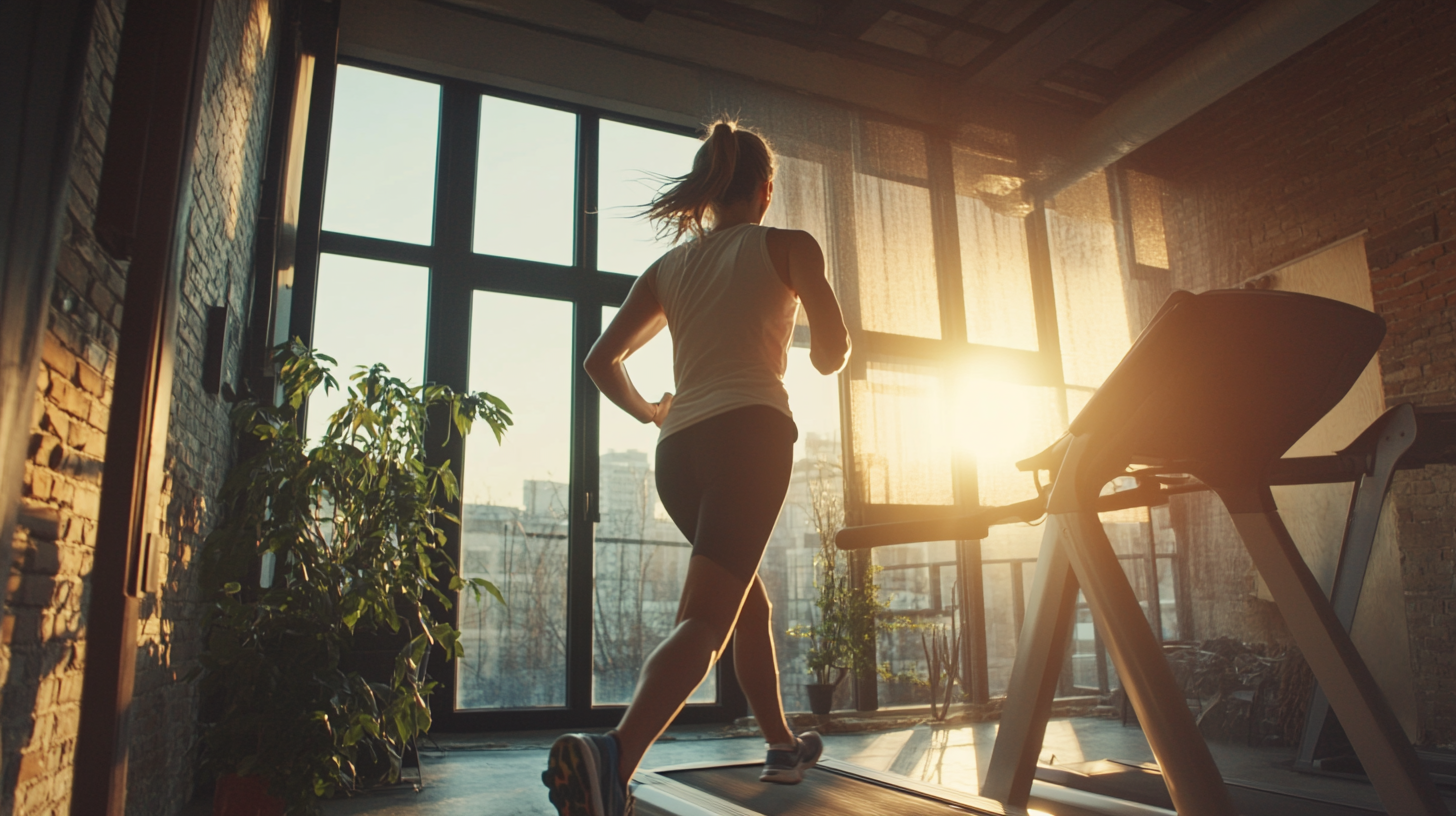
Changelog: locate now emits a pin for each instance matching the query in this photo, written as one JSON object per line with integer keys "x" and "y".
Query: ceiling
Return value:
{"x": 1073, "y": 55}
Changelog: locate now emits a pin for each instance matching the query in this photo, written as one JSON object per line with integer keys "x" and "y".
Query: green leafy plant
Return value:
{"x": 849, "y": 608}
{"x": 348, "y": 534}
{"x": 850, "y": 618}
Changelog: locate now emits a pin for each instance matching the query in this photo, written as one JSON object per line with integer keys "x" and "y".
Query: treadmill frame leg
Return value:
{"x": 1397, "y": 433}
{"x": 1075, "y": 541}
{"x": 1034, "y": 675}
{"x": 1389, "y": 759}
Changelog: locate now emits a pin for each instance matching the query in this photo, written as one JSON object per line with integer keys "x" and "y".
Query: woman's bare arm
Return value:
{"x": 800, "y": 262}
{"x": 639, "y": 320}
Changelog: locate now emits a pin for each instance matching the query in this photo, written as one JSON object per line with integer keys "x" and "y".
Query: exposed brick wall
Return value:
{"x": 52, "y": 552}
{"x": 44, "y": 624}
{"x": 1356, "y": 133}
{"x": 227, "y": 167}
{"x": 1413, "y": 276}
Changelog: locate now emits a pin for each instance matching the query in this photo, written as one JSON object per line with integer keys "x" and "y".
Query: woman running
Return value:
{"x": 729, "y": 297}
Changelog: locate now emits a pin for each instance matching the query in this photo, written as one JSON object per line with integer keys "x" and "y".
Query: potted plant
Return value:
{"x": 942, "y": 645}
{"x": 848, "y": 606}
{"x": 321, "y": 540}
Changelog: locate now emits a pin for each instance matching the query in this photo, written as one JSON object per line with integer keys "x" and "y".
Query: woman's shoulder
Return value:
{"x": 678, "y": 254}
{"x": 789, "y": 236}
{"x": 784, "y": 244}
{"x": 786, "y": 241}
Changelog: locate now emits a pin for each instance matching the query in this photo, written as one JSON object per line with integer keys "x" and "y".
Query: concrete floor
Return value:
{"x": 499, "y": 774}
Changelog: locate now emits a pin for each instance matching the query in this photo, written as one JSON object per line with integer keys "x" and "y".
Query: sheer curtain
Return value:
{"x": 927, "y": 243}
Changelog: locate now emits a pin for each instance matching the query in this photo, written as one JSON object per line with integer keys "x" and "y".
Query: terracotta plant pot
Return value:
{"x": 821, "y": 697}
{"x": 244, "y": 796}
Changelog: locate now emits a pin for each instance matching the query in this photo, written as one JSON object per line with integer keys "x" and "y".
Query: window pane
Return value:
{"x": 525, "y": 192}
{"x": 641, "y": 556}
{"x": 1163, "y": 530}
{"x": 1145, "y": 200}
{"x": 918, "y": 581}
{"x": 367, "y": 312}
{"x": 899, "y": 435}
{"x": 894, "y": 238}
{"x": 634, "y": 162}
{"x": 1168, "y": 597}
{"x": 816, "y": 489}
{"x": 1128, "y": 530}
{"x": 996, "y": 274}
{"x": 1008, "y": 558}
{"x": 1089, "y": 668}
{"x": 515, "y": 506}
{"x": 1087, "y": 275}
{"x": 898, "y": 292}
{"x": 995, "y": 269}
{"x": 381, "y": 179}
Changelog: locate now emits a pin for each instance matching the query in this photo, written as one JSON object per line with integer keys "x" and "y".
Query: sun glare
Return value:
{"x": 997, "y": 423}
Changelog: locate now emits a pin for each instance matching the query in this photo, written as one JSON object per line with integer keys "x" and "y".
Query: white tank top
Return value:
{"x": 731, "y": 320}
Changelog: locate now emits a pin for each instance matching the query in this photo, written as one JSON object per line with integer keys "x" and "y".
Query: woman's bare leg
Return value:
{"x": 757, "y": 666}
{"x": 706, "y": 615}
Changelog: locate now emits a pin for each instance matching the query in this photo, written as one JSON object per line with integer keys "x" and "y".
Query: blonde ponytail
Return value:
{"x": 728, "y": 168}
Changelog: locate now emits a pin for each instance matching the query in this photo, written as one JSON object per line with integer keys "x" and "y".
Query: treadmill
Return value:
{"x": 1212, "y": 393}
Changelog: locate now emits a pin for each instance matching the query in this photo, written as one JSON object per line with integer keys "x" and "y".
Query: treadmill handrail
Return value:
{"x": 1296, "y": 470}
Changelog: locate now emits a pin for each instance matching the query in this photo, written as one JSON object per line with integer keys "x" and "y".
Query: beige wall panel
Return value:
{"x": 1315, "y": 514}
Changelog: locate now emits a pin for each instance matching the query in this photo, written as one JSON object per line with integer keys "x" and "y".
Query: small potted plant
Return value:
{"x": 848, "y": 607}
{"x": 942, "y": 645}
{"x": 322, "y": 539}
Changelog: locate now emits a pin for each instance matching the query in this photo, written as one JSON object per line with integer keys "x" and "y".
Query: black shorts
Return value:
{"x": 723, "y": 481}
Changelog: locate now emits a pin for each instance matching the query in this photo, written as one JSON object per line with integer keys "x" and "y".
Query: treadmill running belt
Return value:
{"x": 1137, "y": 784}
{"x": 822, "y": 791}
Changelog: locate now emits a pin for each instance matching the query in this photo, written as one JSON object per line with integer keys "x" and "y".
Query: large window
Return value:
{"x": 462, "y": 244}
{"x": 482, "y": 239}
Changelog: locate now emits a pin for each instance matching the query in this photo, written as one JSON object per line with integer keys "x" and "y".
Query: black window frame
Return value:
{"x": 456, "y": 271}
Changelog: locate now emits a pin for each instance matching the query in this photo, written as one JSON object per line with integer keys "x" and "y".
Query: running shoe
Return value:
{"x": 787, "y": 767}
{"x": 582, "y": 776}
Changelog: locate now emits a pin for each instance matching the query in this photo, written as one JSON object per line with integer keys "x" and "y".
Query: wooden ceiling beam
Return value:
{"x": 634, "y": 10}
{"x": 853, "y": 18}
{"x": 1080, "y": 25}
{"x": 763, "y": 24}
{"x": 1044, "y": 14}
{"x": 1191, "y": 5}
{"x": 946, "y": 20}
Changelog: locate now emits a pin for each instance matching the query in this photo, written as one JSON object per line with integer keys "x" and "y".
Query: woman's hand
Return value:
{"x": 660, "y": 409}
{"x": 637, "y": 322}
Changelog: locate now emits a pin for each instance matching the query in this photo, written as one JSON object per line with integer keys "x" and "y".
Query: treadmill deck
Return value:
{"x": 830, "y": 788}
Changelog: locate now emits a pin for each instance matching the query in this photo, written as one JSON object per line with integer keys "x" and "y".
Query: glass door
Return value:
{"x": 515, "y": 498}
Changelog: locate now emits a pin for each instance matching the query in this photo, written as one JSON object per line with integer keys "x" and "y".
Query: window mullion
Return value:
{"x": 586, "y": 419}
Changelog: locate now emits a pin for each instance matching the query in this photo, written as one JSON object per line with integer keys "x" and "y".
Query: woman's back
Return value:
{"x": 731, "y": 319}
